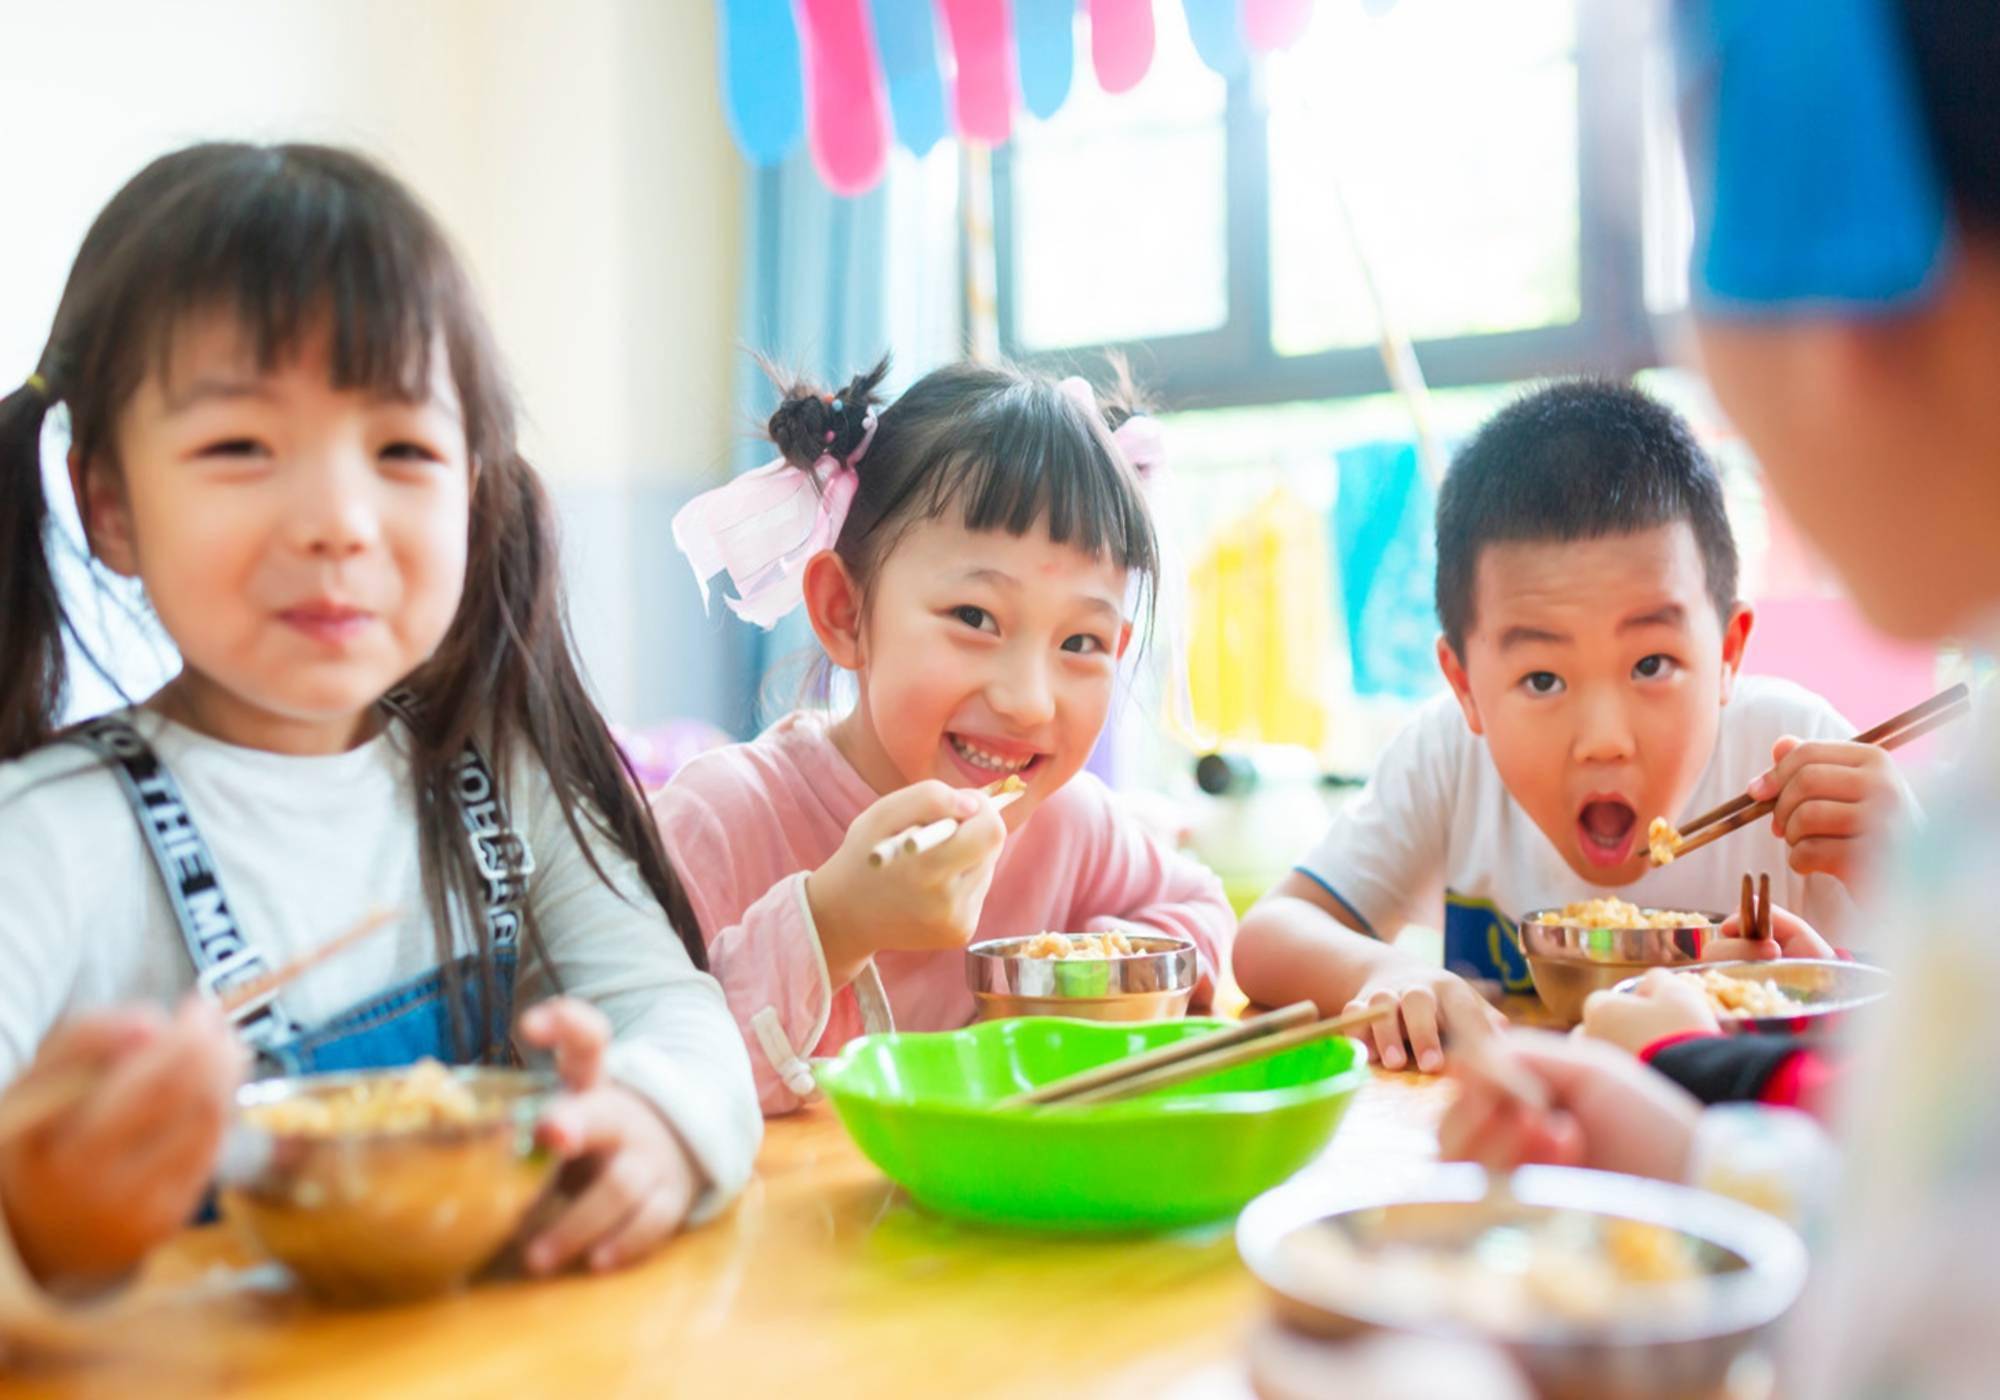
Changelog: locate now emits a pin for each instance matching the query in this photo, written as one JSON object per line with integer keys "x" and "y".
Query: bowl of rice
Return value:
{"x": 385, "y": 1185}
{"x": 1589, "y": 945}
{"x": 1792, "y": 996}
{"x": 1122, "y": 975}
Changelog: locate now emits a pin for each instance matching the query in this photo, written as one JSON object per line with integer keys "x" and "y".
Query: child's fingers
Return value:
{"x": 1823, "y": 817}
{"x": 1385, "y": 1032}
{"x": 978, "y": 838}
{"x": 185, "y": 1074}
{"x": 612, "y": 1198}
{"x": 1419, "y": 1010}
{"x": 582, "y": 1124}
{"x": 576, "y": 1032}
{"x": 916, "y": 805}
{"x": 656, "y": 1219}
{"x": 1789, "y": 756}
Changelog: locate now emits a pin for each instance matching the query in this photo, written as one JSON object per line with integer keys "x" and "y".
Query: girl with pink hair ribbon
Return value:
{"x": 977, "y": 555}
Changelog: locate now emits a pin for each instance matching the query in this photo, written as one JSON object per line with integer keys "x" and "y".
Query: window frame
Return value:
{"x": 1236, "y": 364}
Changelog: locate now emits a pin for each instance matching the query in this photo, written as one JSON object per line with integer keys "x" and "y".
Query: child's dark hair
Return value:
{"x": 300, "y": 240}
{"x": 1953, "y": 46}
{"x": 1576, "y": 460}
{"x": 1006, "y": 447}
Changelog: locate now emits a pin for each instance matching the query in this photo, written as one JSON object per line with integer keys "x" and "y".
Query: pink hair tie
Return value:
{"x": 765, "y": 526}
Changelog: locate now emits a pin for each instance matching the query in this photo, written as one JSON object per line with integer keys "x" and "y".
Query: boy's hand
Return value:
{"x": 640, "y": 1182}
{"x": 1791, "y": 937}
{"x": 1432, "y": 1006}
{"x": 1665, "y": 1004}
{"x": 1834, "y": 802}
{"x": 90, "y": 1191}
{"x": 928, "y": 901}
{"x": 1606, "y": 1110}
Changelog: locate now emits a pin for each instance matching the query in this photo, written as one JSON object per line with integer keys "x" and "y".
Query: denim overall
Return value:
{"x": 389, "y": 1029}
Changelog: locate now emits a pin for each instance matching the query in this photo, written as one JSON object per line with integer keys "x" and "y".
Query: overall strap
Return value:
{"x": 503, "y": 855}
{"x": 223, "y": 956}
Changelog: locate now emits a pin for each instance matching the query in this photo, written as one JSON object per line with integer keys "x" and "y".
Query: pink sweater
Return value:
{"x": 745, "y": 825}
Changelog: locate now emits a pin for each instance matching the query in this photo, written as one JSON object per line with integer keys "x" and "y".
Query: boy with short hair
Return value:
{"x": 1586, "y": 582}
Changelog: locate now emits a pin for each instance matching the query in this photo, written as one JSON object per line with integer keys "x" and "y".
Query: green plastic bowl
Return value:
{"x": 921, "y": 1107}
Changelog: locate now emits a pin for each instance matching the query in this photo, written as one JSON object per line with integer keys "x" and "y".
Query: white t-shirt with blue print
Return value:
{"x": 1436, "y": 823}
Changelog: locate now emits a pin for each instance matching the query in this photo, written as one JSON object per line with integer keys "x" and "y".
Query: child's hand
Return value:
{"x": 90, "y": 1191}
{"x": 1606, "y": 1110}
{"x": 927, "y": 901}
{"x": 1791, "y": 937}
{"x": 639, "y": 1182}
{"x": 1665, "y": 1004}
{"x": 1432, "y": 1006}
{"x": 1834, "y": 801}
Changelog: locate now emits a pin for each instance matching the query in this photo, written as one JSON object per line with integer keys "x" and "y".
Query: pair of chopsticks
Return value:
{"x": 37, "y": 1104}
{"x": 1756, "y": 911}
{"x": 915, "y": 840}
{"x": 1275, "y": 1031}
{"x": 1941, "y": 709}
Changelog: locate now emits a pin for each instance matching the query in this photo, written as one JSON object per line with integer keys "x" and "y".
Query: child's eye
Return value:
{"x": 978, "y": 619}
{"x": 1658, "y": 666}
{"x": 1083, "y": 644}
{"x": 232, "y": 447}
{"x": 411, "y": 452}
{"x": 1542, "y": 683}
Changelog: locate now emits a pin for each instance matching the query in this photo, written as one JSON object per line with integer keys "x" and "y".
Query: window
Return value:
{"x": 1496, "y": 161}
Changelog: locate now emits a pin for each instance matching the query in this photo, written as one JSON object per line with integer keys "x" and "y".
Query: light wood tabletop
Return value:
{"x": 822, "y": 1280}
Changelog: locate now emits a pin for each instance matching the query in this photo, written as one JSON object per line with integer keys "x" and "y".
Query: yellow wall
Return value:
{"x": 576, "y": 151}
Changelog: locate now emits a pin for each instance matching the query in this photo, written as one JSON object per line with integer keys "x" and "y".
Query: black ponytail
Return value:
{"x": 33, "y": 675}
{"x": 810, "y": 424}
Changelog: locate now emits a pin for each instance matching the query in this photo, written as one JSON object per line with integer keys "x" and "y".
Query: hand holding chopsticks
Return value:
{"x": 915, "y": 840}
{"x": 1742, "y": 811}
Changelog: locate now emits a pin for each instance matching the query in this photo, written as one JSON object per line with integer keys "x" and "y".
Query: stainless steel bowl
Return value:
{"x": 1752, "y": 1269}
{"x": 1153, "y": 984}
{"x": 1829, "y": 990}
{"x": 368, "y": 1217}
{"x": 1570, "y": 962}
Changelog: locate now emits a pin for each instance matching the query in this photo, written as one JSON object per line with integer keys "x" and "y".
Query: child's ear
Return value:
{"x": 106, "y": 515}
{"x": 1460, "y": 683}
{"x": 833, "y": 604}
{"x": 1124, "y": 641}
{"x": 1735, "y": 639}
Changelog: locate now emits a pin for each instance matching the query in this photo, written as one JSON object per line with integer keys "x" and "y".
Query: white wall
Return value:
{"x": 576, "y": 151}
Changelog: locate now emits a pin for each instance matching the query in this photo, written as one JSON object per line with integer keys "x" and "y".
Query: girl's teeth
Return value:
{"x": 986, "y": 760}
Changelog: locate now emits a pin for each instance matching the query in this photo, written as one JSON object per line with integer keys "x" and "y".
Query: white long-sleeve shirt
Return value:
{"x": 304, "y": 847}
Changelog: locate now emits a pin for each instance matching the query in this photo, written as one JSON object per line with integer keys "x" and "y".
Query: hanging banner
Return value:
{"x": 1121, "y": 42}
{"x": 1045, "y": 41}
{"x": 761, "y": 91}
{"x": 906, "y": 39}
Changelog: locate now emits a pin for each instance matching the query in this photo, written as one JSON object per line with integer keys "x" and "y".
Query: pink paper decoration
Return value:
{"x": 847, "y": 122}
{"x": 1271, "y": 25}
{"x": 1121, "y": 42}
{"x": 982, "y": 43}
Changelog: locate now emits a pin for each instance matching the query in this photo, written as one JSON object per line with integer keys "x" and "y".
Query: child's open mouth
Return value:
{"x": 1606, "y": 829}
{"x": 984, "y": 760}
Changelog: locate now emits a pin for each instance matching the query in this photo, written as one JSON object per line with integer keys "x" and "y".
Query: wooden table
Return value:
{"x": 822, "y": 1280}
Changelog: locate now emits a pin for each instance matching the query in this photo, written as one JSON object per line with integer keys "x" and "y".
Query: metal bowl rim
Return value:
{"x": 1807, "y": 1010}
{"x": 1737, "y": 1303}
{"x": 531, "y": 1089}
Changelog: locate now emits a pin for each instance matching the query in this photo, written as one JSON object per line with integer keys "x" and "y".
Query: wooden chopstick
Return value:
{"x": 1763, "y": 908}
{"x": 234, "y": 1003}
{"x": 1225, "y": 1057}
{"x": 39, "y": 1102}
{"x": 1747, "y": 911}
{"x": 1934, "y": 713}
{"x": 1285, "y": 1017}
{"x": 915, "y": 840}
